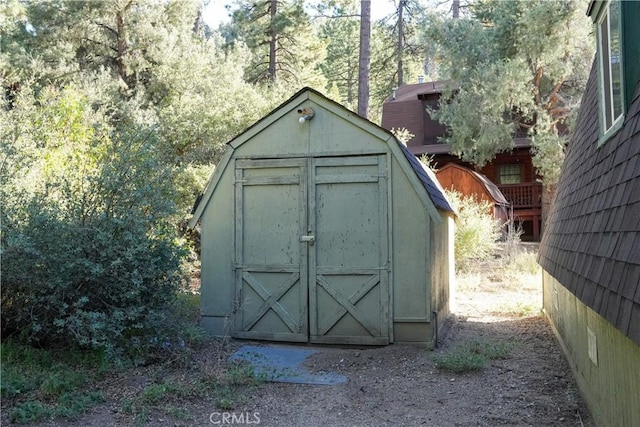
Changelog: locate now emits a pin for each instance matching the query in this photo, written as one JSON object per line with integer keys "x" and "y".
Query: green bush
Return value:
{"x": 461, "y": 360}
{"x": 519, "y": 262}
{"x": 476, "y": 230}
{"x": 471, "y": 356}
{"x": 38, "y": 384}
{"x": 90, "y": 255}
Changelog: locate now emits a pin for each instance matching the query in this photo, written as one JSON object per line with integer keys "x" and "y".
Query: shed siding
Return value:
{"x": 442, "y": 276}
{"x": 411, "y": 300}
{"x": 285, "y": 137}
{"x": 611, "y": 387}
{"x": 334, "y": 137}
{"x": 217, "y": 252}
{"x": 461, "y": 180}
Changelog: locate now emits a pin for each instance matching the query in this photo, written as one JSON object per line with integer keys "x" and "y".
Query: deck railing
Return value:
{"x": 523, "y": 196}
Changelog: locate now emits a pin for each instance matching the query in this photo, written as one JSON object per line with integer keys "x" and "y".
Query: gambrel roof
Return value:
{"x": 428, "y": 179}
{"x": 433, "y": 195}
{"x": 489, "y": 187}
{"x": 591, "y": 242}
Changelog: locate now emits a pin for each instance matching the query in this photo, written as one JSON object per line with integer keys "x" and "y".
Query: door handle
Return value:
{"x": 310, "y": 239}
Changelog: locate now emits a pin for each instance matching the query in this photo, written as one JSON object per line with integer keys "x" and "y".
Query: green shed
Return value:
{"x": 319, "y": 226}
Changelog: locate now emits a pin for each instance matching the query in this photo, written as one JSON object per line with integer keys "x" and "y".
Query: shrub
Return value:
{"x": 476, "y": 230}
{"x": 90, "y": 255}
{"x": 44, "y": 383}
{"x": 471, "y": 356}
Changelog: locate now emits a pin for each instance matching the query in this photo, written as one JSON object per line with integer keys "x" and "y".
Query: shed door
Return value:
{"x": 311, "y": 250}
{"x": 348, "y": 262}
{"x": 271, "y": 261}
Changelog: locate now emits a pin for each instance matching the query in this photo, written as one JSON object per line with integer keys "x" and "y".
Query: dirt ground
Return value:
{"x": 400, "y": 385}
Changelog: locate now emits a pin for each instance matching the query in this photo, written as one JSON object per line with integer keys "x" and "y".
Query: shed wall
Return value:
{"x": 442, "y": 277}
{"x": 333, "y": 135}
{"x": 410, "y": 225}
{"x": 611, "y": 386}
{"x": 411, "y": 268}
{"x": 216, "y": 249}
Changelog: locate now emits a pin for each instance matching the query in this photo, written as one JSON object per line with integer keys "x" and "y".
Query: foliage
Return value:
{"x": 44, "y": 384}
{"x": 143, "y": 49}
{"x": 112, "y": 117}
{"x": 471, "y": 356}
{"x": 339, "y": 29}
{"x": 520, "y": 67}
{"x": 402, "y": 54}
{"x": 89, "y": 252}
{"x": 518, "y": 309}
{"x": 548, "y": 149}
{"x": 521, "y": 262}
{"x": 476, "y": 231}
{"x": 278, "y": 34}
{"x": 429, "y": 162}
{"x": 403, "y": 135}
{"x": 228, "y": 388}
{"x": 59, "y": 382}
{"x": 199, "y": 115}
{"x": 340, "y": 67}
{"x": 128, "y": 38}
{"x": 511, "y": 238}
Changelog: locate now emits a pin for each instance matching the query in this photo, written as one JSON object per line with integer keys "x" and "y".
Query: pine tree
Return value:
{"x": 279, "y": 36}
{"x": 518, "y": 66}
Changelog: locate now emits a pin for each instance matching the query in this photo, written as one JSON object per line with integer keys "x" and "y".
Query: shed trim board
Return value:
{"x": 329, "y": 213}
{"x": 390, "y": 246}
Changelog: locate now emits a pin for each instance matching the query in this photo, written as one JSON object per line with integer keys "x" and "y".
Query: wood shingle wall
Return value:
{"x": 592, "y": 240}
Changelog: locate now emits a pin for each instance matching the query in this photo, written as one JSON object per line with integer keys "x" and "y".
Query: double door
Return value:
{"x": 311, "y": 249}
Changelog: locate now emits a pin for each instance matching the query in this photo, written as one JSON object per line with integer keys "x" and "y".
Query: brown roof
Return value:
{"x": 492, "y": 190}
{"x": 411, "y": 92}
{"x": 446, "y": 148}
{"x": 592, "y": 239}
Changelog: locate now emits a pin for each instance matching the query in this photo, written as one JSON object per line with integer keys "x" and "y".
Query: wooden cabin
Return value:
{"x": 319, "y": 226}
{"x": 590, "y": 251}
{"x": 512, "y": 172}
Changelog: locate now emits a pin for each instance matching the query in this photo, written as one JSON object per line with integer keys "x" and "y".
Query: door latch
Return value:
{"x": 310, "y": 239}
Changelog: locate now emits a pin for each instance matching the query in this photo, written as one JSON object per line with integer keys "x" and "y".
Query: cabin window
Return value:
{"x": 611, "y": 72}
{"x": 509, "y": 174}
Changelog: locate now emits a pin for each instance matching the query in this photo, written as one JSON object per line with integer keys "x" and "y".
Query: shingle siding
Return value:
{"x": 592, "y": 240}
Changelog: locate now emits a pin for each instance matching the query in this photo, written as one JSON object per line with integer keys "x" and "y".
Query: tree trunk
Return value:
{"x": 197, "y": 24}
{"x": 121, "y": 46}
{"x": 365, "y": 58}
{"x": 400, "y": 46}
{"x": 273, "y": 42}
{"x": 548, "y": 192}
{"x": 455, "y": 8}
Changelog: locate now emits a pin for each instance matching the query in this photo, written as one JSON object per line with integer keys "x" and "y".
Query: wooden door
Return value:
{"x": 312, "y": 250}
{"x": 348, "y": 260}
{"x": 271, "y": 261}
